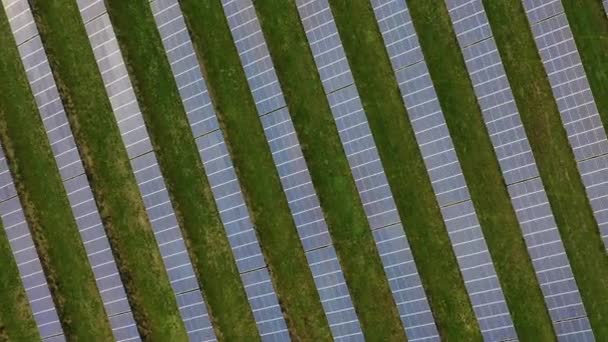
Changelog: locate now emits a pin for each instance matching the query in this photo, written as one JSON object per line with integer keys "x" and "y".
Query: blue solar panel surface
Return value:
{"x": 366, "y": 168}
{"x": 292, "y": 170}
{"x": 444, "y": 170}
{"x": 146, "y": 170}
{"x": 26, "y": 257}
{"x": 220, "y": 171}
{"x": 79, "y": 193}
{"x": 580, "y": 117}
{"x": 519, "y": 169}
{"x": 570, "y": 87}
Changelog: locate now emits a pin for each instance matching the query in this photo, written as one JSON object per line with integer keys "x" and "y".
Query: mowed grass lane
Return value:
{"x": 108, "y": 170}
{"x": 254, "y": 165}
{"x": 589, "y": 25}
{"x": 45, "y": 202}
{"x": 329, "y": 170}
{"x": 182, "y": 169}
{"x": 16, "y": 320}
{"x": 405, "y": 170}
{"x": 480, "y": 167}
{"x": 554, "y": 158}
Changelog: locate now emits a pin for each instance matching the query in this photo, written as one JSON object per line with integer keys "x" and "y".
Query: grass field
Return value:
{"x": 554, "y": 158}
{"x": 16, "y": 320}
{"x": 480, "y": 167}
{"x": 45, "y": 202}
{"x": 255, "y": 168}
{"x": 589, "y": 26}
{"x": 182, "y": 169}
{"x": 108, "y": 168}
{"x": 405, "y": 170}
{"x": 329, "y": 170}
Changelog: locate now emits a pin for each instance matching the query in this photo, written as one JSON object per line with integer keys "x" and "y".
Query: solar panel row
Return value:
{"x": 147, "y": 172}
{"x": 293, "y": 172}
{"x": 220, "y": 171}
{"x": 13, "y": 219}
{"x": 519, "y": 169}
{"x": 71, "y": 170}
{"x": 366, "y": 167}
{"x": 444, "y": 170}
{"x": 575, "y": 101}
{"x": 26, "y": 257}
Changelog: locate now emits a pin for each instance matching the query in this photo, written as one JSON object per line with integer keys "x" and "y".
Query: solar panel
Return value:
{"x": 26, "y": 258}
{"x": 367, "y": 170}
{"x": 79, "y": 194}
{"x": 219, "y": 170}
{"x": 443, "y": 167}
{"x": 292, "y": 170}
{"x": 71, "y": 171}
{"x": 13, "y": 219}
{"x": 147, "y": 172}
{"x": 574, "y": 99}
{"x": 519, "y": 169}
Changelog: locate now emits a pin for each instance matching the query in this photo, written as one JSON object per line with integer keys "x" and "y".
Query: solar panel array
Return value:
{"x": 575, "y": 101}
{"x": 519, "y": 169}
{"x": 76, "y": 185}
{"x": 292, "y": 170}
{"x": 147, "y": 172}
{"x": 24, "y": 251}
{"x": 366, "y": 168}
{"x": 220, "y": 171}
{"x": 444, "y": 170}
{"x": 25, "y": 254}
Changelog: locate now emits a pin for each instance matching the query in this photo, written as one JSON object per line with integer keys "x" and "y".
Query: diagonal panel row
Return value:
{"x": 147, "y": 172}
{"x": 220, "y": 171}
{"x": 367, "y": 170}
{"x": 575, "y": 102}
{"x": 77, "y": 187}
{"x": 443, "y": 167}
{"x": 292, "y": 169}
{"x": 519, "y": 169}
{"x": 26, "y": 257}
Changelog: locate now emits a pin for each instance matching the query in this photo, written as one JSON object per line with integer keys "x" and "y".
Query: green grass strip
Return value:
{"x": 554, "y": 158}
{"x": 16, "y": 320}
{"x": 480, "y": 167}
{"x": 257, "y": 173}
{"x": 178, "y": 157}
{"x": 589, "y": 25}
{"x": 45, "y": 202}
{"x": 108, "y": 168}
{"x": 3, "y": 334}
{"x": 405, "y": 170}
{"x": 329, "y": 170}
